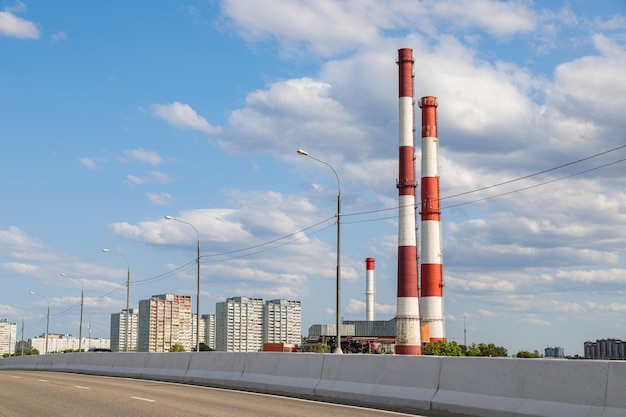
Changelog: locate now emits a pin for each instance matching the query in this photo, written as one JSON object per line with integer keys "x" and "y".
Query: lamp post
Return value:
{"x": 82, "y": 303}
{"x": 198, "y": 290}
{"x": 127, "y": 297}
{"x": 338, "y": 318}
{"x": 47, "y": 316}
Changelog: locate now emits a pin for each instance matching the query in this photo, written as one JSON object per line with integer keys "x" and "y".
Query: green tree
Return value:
{"x": 319, "y": 348}
{"x": 527, "y": 354}
{"x": 483, "y": 349}
{"x": 443, "y": 348}
{"x": 205, "y": 348}
{"x": 177, "y": 347}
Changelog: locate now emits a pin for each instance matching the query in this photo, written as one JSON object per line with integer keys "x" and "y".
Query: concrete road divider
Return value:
{"x": 486, "y": 387}
{"x": 280, "y": 373}
{"x": 502, "y": 387}
{"x": 170, "y": 367}
{"x": 221, "y": 369}
{"x": 403, "y": 381}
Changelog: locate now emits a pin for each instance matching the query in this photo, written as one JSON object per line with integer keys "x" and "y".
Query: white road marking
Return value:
{"x": 81, "y": 387}
{"x": 43, "y": 380}
{"x": 143, "y": 399}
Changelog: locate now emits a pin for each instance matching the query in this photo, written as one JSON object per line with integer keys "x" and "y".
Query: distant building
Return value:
{"x": 8, "y": 339}
{"x": 239, "y": 325}
{"x": 282, "y": 322}
{"x": 605, "y": 349}
{"x": 119, "y": 330}
{"x": 374, "y": 328}
{"x": 208, "y": 322}
{"x": 554, "y": 352}
{"x": 63, "y": 342}
{"x": 163, "y": 321}
{"x": 319, "y": 330}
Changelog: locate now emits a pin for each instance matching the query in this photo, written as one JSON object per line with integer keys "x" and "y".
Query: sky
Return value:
{"x": 116, "y": 114}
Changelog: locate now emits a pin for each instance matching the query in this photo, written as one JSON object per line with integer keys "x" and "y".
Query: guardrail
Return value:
{"x": 498, "y": 387}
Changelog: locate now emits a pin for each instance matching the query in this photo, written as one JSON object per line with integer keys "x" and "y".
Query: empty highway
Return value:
{"x": 53, "y": 394}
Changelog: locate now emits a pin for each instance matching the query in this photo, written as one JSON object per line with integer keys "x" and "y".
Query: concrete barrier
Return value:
{"x": 502, "y": 387}
{"x": 57, "y": 362}
{"x": 399, "y": 381}
{"x": 280, "y": 373}
{"x": 615, "y": 393}
{"x": 170, "y": 367}
{"x": 221, "y": 369}
{"x": 125, "y": 364}
{"x": 488, "y": 387}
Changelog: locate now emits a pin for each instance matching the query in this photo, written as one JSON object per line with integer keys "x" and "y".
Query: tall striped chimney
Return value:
{"x": 369, "y": 289}
{"x": 407, "y": 313}
{"x": 431, "y": 297}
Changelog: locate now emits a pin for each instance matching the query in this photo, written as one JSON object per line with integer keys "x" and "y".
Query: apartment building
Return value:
{"x": 239, "y": 325}
{"x": 119, "y": 330}
{"x": 163, "y": 321}
{"x": 282, "y": 322}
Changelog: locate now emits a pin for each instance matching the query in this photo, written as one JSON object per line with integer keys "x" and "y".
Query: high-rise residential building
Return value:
{"x": 554, "y": 352}
{"x": 8, "y": 333}
{"x": 282, "y": 322}
{"x": 239, "y": 325}
{"x": 165, "y": 320}
{"x": 605, "y": 349}
{"x": 63, "y": 342}
{"x": 119, "y": 330}
{"x": 208, "y": 321}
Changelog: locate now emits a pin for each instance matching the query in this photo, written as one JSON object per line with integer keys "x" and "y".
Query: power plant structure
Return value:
{"x": 369, "y": 289}
{"x": 419, "y": 314}
{"x": 408, "y": 340}
{"x": 431, "y": 272}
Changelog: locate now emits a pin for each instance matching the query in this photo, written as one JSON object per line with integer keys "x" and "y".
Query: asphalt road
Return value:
{"x": 53, "y": 394}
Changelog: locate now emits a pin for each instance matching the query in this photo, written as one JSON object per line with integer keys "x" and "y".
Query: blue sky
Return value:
{"x": 115, "y": 115}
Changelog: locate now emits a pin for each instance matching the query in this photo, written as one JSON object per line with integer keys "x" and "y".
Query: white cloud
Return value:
{"x": 154, "y": 177}
{"x": 142, "y": 155}
{"x": 183, "y": 116}
{"x": 58, "y": 36}
{"x": 17, "y": 244}
{"x": 495, "y": 17}
{"x": 160, "y": 199}
{"x": 89, "y": 163}
{"x": 15, "y": 27}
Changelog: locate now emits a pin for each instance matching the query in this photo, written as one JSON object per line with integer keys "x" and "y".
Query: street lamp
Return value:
{"x": 82, "y": 302}
{"x": 338, "y": 319}
{"x": 127, "y": 296}
{"x": 198, "y": 291}
{"x": 47, "y": 317}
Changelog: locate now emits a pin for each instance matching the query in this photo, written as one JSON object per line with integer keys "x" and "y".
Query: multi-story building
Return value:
{"x": 208, "y": 322}
{"x": 282, "y": 322}
{"x": 163, "y": 321}
{"x": 63, "y": 342}
{"x": 8, "y": 333}
{"x": 605, "y": 349}
{"x": 554, "y": 352}
{"x": 119, "y": 331}
{"x": 239, "y": 325}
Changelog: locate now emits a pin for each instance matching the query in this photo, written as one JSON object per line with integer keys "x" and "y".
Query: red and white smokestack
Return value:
{"x": 407, "y": 314}
{"x": 431, "y": 297}
{"x": 369, "y": 289}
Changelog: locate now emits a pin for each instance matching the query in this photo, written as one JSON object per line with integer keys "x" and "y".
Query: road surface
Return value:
{"x": 54, "y": 394}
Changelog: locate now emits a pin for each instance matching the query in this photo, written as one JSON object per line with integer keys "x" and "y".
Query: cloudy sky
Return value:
{"x": 114, "y": 115}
